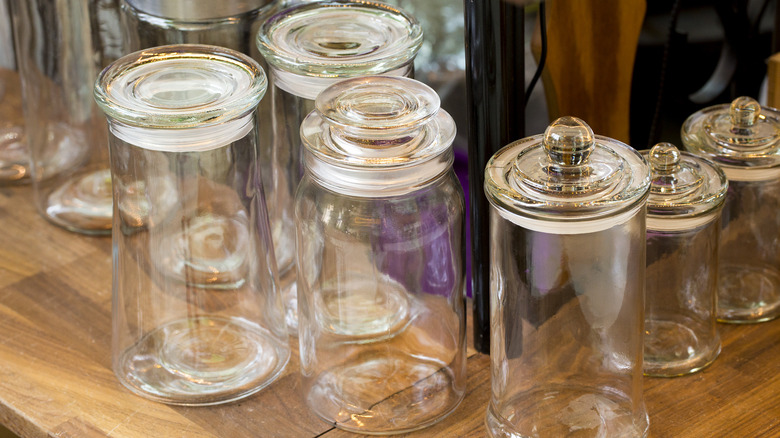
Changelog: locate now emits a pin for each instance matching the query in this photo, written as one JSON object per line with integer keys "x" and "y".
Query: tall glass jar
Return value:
{"x": 380, "y": 223}
{"x": 309, "y": 47}
{"x": 14, "y": 158}
{"x": 567, "y": 285}
{"x": 683, "y": 231}
{"x": 743, "y": 139}
{"x": 61, "y": 47}
{"x": 197, "y": 317}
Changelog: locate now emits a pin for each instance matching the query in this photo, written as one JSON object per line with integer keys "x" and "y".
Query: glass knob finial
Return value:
{"x": 664, "y": 157}
{"x": 568, "y": 141}
{"x": 744, "y": 112}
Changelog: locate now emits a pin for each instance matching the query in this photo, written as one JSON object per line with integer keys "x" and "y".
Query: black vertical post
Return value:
{"x": 495, "y": 93}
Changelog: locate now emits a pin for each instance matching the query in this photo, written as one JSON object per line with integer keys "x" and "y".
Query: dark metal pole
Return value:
{"x": 495, "y": 94}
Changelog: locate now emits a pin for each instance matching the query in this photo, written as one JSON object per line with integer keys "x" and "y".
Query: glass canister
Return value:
{"x": 197, "y": 316}
{"x": 567, "y": 285}
{"x": 380, "y": 223}
{"x": 683, "y": 231}
{"x": 309, "y": 47}
{"x": 743, "y": 139}
{"x": 61, "y": 48}
{"x": 14, "y": 158}
{"x": 225, "y": 23}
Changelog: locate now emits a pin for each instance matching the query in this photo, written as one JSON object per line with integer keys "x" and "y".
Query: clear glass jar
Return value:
{"x": 567, "y": 285}
{"x": 197, "y": 316}
{"x": 14, "y": 158}
{"x": 380, "y": 224}
{"x": 743, "y": 139}
{"x": 309, "y": 47}
{"x": 683, "y": 231}
{"x": 225, "y": 23}
{"x": 61, "y": 47}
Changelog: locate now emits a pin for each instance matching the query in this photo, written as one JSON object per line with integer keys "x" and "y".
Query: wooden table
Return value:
{"x": 56, "y": 380}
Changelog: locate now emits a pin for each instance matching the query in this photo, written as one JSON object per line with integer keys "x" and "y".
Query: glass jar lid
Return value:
{"x": 338, "y": 39}
{"x": 196, "y": 10}
{"x": 739, "y": 135}
{"x": 683, "y": 186}
{"x": 567, "y": 180}
{"x": 173, "y": 88}
{"x": 377, "y": 136}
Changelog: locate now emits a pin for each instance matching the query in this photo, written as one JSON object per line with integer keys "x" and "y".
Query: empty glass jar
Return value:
{"x": 14, "y": 158}
{"x": 683, "y": 230}
{"x": 380, "y": 223}
{"x": 197, "y": 316}
{"x": 309, "y": 47}
{"x": 567, "y": 285}
{"x": 61, "y": 47}
{"x": 743, "y": 139}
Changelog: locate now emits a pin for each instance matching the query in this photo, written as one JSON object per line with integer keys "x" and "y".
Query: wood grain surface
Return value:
{"x": 56, "y": 380}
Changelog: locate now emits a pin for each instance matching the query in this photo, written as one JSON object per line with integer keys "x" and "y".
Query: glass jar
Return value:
{"x": 61, "y": 47}
{"x": 14, "y": 158}
{"x": 567, "y": 285}
{"x": 743, "y": 139}
{"x": 197, "y": 317}
{"x": 380, "y": 226}
{"x": 683, "y": 229}
{"x": 225, "y": 23}
{"x": 309, "y": 47}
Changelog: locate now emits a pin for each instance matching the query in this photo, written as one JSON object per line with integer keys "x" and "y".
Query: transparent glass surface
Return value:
{"x": 750, "y": 256}
{"x": 381, "y": 307}
{"x": 308, "y": 48}
{"x": 62, "y": 47}
{"x": 681, "y": 336}
{"x": 566, "y": 331}
{"x": 197, "y": 315}
{"x": 742, "y": 137}
{"x": 380, "y": 252}
{"x": 14, "y": 158}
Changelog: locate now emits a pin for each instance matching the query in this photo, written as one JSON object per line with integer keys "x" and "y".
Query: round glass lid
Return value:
{"x": 568, "y": 173}
{"x": 683, "y": 184}
{"x": 346, "y": 38}
{"x": 180, "y": 86}
{"x": 740, "y": 134}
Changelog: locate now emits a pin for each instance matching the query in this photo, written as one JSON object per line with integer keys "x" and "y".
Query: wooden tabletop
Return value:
{"x": 56, "y": 378}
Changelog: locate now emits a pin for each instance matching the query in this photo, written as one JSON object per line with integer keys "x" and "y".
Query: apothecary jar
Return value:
{"x": 380, "y": 244}
{"x": 567, "y": 248}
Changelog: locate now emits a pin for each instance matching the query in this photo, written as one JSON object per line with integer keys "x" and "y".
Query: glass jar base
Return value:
{"x": 83, "y": 204}
{"x": 387, "y": 393}
{"x": 14, "y": 157}
{"x": 748, "y": 294}
{"x": 673, "y": 348}
{"x": 202, "y": 361}
{"x": 558, "y": 411}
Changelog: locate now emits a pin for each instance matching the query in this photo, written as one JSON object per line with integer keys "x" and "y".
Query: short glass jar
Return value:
{"x": 567, "y": 225}
{"x": 197, "y": 317}
{"x": 683, "y": 232}
{"x": 380, "y": 226}
{"x": 308, "y": 47}
{"x": 744, "y": 140}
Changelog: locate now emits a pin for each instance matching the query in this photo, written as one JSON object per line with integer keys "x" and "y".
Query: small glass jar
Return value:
{"x": 14, "y": 158}
{"x": 308, "y": 47}
{"x": 61, "y": 48}
{"x": 197, "y": 317}
{"x": 743, "y": 139}
{"x": 683, "y": 231}
{"x": 380, "y": 227}
{"x": 567, "y": 285}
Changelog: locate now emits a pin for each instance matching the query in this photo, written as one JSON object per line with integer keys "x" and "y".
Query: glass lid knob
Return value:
{"x": 744, "y": 112}
{"x": 568, "y": 141}
{"x": 664, "y": 158}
